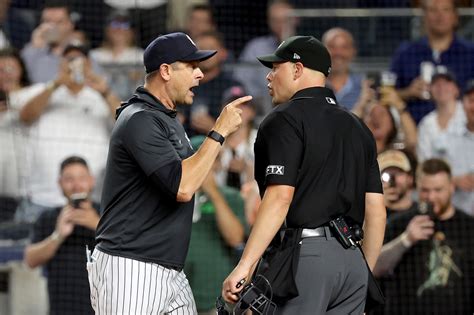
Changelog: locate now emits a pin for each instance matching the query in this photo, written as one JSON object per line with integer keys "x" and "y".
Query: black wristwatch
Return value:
{"x": 214, "y": 135}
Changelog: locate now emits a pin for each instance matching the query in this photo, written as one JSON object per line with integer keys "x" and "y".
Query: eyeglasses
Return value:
{"x": 120, "y": 25}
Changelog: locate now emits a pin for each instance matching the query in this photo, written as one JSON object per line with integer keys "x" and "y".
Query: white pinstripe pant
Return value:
{"x": 121, "y": 285}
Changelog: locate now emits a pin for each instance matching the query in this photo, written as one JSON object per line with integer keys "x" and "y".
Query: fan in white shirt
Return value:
{"x": 448, "y": 117}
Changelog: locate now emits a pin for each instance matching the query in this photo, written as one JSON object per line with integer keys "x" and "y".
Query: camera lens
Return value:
{"x": 385, "y": 177}
{"x": 389, "y": 179}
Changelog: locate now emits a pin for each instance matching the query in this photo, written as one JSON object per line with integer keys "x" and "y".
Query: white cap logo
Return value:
{"x": 330, "y": 100}
{"x": 296, "y": 56}
{"x": 190, "y": 39}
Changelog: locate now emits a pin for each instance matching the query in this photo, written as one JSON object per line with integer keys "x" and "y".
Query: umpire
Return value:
{"x": 148, "y": 196}
{"x": 314, "y": 162}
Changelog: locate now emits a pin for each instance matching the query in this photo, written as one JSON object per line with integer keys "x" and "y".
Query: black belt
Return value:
{"x": 321, "y": 231}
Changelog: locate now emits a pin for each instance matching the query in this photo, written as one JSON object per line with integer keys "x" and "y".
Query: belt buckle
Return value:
{"x": 316, "y": 232}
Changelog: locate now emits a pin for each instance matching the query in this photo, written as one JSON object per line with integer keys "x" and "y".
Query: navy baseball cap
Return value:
{"x": 305, "y": 49}
{"x": 443, "y": 73}
{"x": 76, "y": 45}
{"x": 469, "y": 87}
{"x": 170, "y": 48}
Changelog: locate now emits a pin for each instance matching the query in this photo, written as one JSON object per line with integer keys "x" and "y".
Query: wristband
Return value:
{"x": 214, "y": 135}
{"x": 405, "y": 241}
{"x": 57, "y": 237}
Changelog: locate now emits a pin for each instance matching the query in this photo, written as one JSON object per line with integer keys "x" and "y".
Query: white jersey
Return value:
{"x": 73, "y": 124}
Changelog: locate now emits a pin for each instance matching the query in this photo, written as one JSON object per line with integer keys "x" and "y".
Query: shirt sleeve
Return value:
{"x": 283, "y": 149}
{"x": 374, "y": 182}
{"x": 147, "y": 141}
{"x": 41, "y": 229}
{"x": 424, "y": 149}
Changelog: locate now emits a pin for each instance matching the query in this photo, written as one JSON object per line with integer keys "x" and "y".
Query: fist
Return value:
{"x": 421, "y": 227}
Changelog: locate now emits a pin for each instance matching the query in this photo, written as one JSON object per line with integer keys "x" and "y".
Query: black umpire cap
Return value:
{"x": 170, "y": 48}
{"x": 305, "y": 49}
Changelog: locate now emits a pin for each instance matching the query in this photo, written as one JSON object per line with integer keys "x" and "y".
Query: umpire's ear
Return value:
{"x": 297, "y": 70}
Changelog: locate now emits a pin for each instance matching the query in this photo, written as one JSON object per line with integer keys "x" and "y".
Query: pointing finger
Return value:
{"x": 240, "y": 100}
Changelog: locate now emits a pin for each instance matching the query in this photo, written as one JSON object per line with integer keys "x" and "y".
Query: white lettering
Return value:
{"x": 275, "y": 170}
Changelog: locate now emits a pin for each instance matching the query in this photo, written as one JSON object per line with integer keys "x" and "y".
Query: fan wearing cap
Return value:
{"x": 397, "y": 180}
{"x": 151, "y": 176}
{"x": 448, "y": 116}
{"x": 72, "y": 114}
{"x": 427, "y": 258}
{"x": 459, "y": 154}
{"x": 119, "y": 38}
{"x": 42, "y": 54}
{"x": 76, "y": 71}
{"x": 237, "y": 153}
{"x": 314, "y": 161}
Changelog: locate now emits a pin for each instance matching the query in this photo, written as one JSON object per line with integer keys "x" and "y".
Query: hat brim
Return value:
{"x": 268, "y": 60}
{"x": 199, "y": 55}
{"x": 446, "y": 76}
{"x": 81, "y": 48}
{"x": 469, "y": 90}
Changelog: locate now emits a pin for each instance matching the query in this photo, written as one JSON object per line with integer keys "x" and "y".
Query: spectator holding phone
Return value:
{"x": 386, "y": 116}
{"x": 73, "y": 115}
{"x": 60, "y": 237}
{"x": 428, "y": 251}
{"x": 414, "y": 61}
{"x": 447, "y": 120}
{"x": 43, "y": 53}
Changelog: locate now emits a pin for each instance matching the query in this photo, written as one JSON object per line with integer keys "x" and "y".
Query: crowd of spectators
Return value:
{"x": 60, "y": 86}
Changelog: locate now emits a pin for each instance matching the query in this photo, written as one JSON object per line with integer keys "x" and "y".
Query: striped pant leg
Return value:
{"x": 127, "y": 286}
{"x": 95, "y": 271}
{"x": 183, "y": 300}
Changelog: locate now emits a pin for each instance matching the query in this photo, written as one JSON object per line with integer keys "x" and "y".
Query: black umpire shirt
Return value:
{"x": 140, "y": 217}
{"x": 322, "y": 150}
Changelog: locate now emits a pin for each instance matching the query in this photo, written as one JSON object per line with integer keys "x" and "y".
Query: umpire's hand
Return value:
{"x": 235, "y": 282}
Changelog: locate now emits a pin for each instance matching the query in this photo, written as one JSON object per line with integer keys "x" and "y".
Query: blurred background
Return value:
{"x": 404, "y": 67}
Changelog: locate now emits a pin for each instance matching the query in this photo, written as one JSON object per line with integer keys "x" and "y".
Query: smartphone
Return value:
{"x": 3, "y": 100}
{"x": 51, "y": 35}
{"x": 3, "y": 96}
{"x": 375, "y": 77}
{"x": 77, "y": 70}
{"x": 76, "y": 199}
{"x": 388, "y": 78}
{"x": 427, "y": 208}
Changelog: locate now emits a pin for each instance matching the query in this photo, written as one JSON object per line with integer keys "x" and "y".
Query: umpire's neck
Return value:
{"x": 306, "y": 78}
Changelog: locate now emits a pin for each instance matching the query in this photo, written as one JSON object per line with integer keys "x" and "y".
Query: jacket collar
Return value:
{"x": 143, "y": 96}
